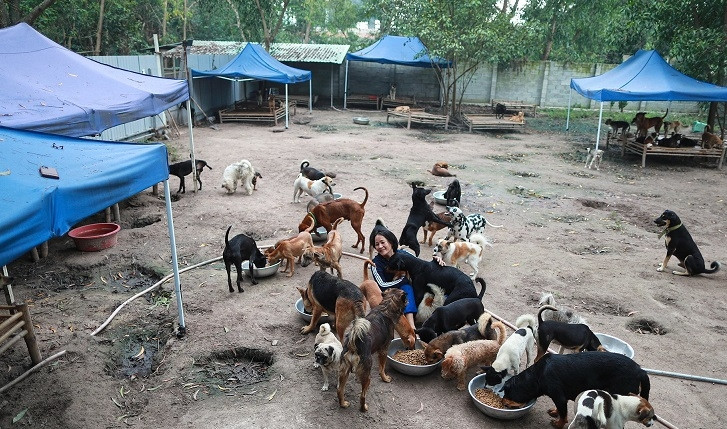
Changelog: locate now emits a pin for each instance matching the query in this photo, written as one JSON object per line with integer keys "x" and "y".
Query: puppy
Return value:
{"x": 319, "y": 199}
{"x": 254, "y": 180}
{"x": 461, "y": 357}
{"x": 184, "y": 168}
{"x": 510, "y": 353}
{"x": 500, "y": 111}
{"x": 573, "y": 336}
{"x": 484, "y": 329}
{"x": 324, "y": 215}
{"x": 643, "y": 123}
{"x": 594, "y": 156}
{"x": 242, "y": 172}
{"x": 327, "y": 351}
{"x": 519, "y": 117}
{"x": 617, "y": 126}
{"x": 679, "y": 243}
{"x": 378, "y": 227}
{"x": 433, "y": 227}
{"x": 469, "y": 251}
{"x": 710, "y": 140}
{"x": 600, "y": 409}
{"x": 402, "y": 109}
{"x": 241, "y": 248}
{"x": 327, "y": 293}
{"x": 453, "y": 194}
{"x": 290, "y": 249}
{"x": 419, "y": 213}
{"x": 563, "y": 377}
{"x": 563, "y": 314}
{"x": 674, "y": 127}
{"x": 464, "y": 226}
{"x": 450, "y": 317}
{"x": 312, "y": 173}
{"x": 368, "y": 336}
{"x": 328, "y": 255}
{"x": 311, "y": 187}
{"x": 431, "y": 301}
{"x": 441, "y": 169}
{"x": 392, "y": 91}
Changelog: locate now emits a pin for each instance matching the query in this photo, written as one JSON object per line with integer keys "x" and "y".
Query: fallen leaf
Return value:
{"x": 19, "y": 416}
{"x": 272, "y": 395}
{"x": 194, "y": 396}
{"x": 421, "y": 408}
{"x": 517, "y": 264}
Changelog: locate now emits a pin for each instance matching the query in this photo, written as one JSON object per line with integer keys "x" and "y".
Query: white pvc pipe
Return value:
{"x": 345, "y": 87}
{"x": 175, "y": 265}
{"x": 567, "y": 120}
{"x": 600, "y": 120}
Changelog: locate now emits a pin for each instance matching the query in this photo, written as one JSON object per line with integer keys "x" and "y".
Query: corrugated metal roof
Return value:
{"x": 290, "y": 52}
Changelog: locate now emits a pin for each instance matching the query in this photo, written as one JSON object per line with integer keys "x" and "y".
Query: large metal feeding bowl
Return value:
{"x": 405, "y": 368}
{"x": 615, "y": 345}
{"x": 307, "y": 316}
{"x": 265, "y": 271}
{"x": 498, "y": 413}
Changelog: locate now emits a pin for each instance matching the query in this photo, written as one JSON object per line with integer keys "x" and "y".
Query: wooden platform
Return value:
{"x": 630, "y": 145}
{"x": 517, "y": 105}
{"x": 253, "y": 113}
{"x": 302, "y": 100}
{"x": 364, "y": 100}
{"x": 490, "y": 122}
{"x": 15, "y": 325}
{"x": 418, "y": 116}
{"x": 405, "y": 101}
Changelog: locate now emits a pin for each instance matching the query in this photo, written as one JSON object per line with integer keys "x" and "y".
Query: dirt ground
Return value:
{"x": 585, "y": 235}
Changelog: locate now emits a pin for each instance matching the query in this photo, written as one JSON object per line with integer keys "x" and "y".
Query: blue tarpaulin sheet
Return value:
{"x": 647, "y": 77}
{"x": 402, "y": 50}
{"x": 254, "y": 62}
{"x": 46, "y": 87}
{"x": 92, "y": 174}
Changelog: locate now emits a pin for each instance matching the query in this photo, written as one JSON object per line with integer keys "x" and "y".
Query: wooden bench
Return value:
{"x": 252, "y": 113}
{"x": 489, "y": 122}
{"x": 517, "y": 105}
{"x": 405, "y": 101}
{"x": 15, "y": 325}
{"x": 632, "y": 146}
{"x": 364, "y": 100}
{"x": 419, "y": 116}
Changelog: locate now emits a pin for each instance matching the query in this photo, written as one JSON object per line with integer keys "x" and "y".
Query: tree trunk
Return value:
{"x": 306, "y": 37}
{"x": 99, "y": 28}
{"x": 165, "y": 17}
{"x": 549, "y": 42}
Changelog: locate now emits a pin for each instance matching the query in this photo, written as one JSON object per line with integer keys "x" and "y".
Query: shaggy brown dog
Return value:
{"x": 328, "y": 293}
{"x": 643, "y": 123}
{"x": 368, "y": 336}
{"x": 290, "y": 249}
{"x": 324, "y": 214}
{"x": 441, "y": 168}
{"x": 461, "y": 357}
{"x": 328, "y": 255}
{"x": 484, "y": 329}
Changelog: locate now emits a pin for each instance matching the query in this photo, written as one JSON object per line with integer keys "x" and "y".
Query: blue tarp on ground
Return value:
{"x": 647, "y": 77}
{"x": 93, "y": 175}
{"x": 254, "y": 62}
{"x": 46, "y": 87}
{"x": 408, "y": 51}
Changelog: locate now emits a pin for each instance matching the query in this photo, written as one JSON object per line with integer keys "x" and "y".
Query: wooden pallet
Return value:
{"x": 15, "y": 325}
{"x": 630, "y": 145}
{"x": 405, "y": 101}
{"x": 490, "y": 122}
{"x": 517, "y": 105}
{"x": 241, "y": 113}
{"x": 364, "y": 100}
{"x": 418, "y": 116}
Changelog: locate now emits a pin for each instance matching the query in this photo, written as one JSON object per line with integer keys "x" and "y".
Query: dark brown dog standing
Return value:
{"x": 643, "y": 123}
{"x": 324, "y": 214}
{"x": 680, "y": 243}
{"x": 328, "y": 293}
{"x": 573, "y": 336}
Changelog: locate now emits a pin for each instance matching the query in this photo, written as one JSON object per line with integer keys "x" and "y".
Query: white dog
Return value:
{"x": 242, "y": 172}
{"x": 511, "y": 351}
{"x": 600, "y": 409}
{"x": 594, "y": 156}
{"x": 327, "y": 353}
{"x": 311, "y": 187}
{"x": 453, "y": 252}
{"x": 430, "y": 302}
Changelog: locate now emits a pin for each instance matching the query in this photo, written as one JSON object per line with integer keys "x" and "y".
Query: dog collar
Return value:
{"x": 314, "y": 219}
{"x": 670, "y": 229}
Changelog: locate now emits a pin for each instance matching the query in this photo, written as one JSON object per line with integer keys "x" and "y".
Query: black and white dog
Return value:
{"x": 600, "y": 409}
{"x": 464, "y": 226}
{"x": 680, "y": 243}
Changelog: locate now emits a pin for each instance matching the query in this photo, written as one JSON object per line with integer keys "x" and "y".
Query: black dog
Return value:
{"x": 184, "y": 168}
{"x": 453, "y": 194}
{"x": 241, "y": 248}
{"x": 680, "y": 244}
{"x": 312, "y": 173}
{"x": 450, "y": 317}
{"x": 372, "y": 238}
{"x": 563, "y": 377}
{"x": 455, "y": 283}
{"x": 573, "y": 336}
{"x": 419, "y": 214}
{"x": 500, "y": 110}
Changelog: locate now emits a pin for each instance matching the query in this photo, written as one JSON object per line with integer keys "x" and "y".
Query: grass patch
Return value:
{"x": 507, "y": 157}
{"x": 524, "y": 174}
{"x": 526, "y": 193}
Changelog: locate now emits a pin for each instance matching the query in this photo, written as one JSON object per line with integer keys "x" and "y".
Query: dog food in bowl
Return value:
{"x": 489, "y": 405}
{"x": 411, "y": 357}
{"x": 397, "y": 346}
{"x": 488, "y": 397}
{"x": 265, "y": 271}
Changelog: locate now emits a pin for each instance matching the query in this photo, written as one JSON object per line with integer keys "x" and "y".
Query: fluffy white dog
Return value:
{"x": 470, "y": 251}
{"x": 311, "y": 187}
{"x": 242, "y": 172}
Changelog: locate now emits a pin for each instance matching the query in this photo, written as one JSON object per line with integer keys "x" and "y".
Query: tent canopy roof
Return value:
{"x": 254, "y": 62}
{"x": 46, "y": 87}
{"x": 647, "y": 77}
{"x": 92, "y": 174}
{"x": 408, "y": 51}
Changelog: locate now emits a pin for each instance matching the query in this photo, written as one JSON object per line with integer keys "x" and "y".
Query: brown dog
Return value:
{"x": 484, "y": 329}
{"x": 461, "y": 357}
{"x": 643, "y": 123}
{"x": 368, "y": 336}
{"x": 328, "y": 255}
{"x": 324, "y": 214}
{"x": 290, "y": 249}
{"x": 441, "y": 169}
{"x": 328, "y": 293}
{"x": 710, "y": 140}
{"x": 432, "y": 227}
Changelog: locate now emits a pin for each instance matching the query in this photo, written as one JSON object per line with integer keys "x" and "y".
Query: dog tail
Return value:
{"x": 542, "y": 309}
{"x": 527, "y": 321}
{"x": 484, "y": 322}
{"x": 367, "y": 263}
{"x": 335, "y": 224}
{"x": 482, "y": 283}
{"x": 501, "y": 332}
{"x": 546, "y": 298}
{"x": 227, "y": 234}
{"x": 359, "y": 329}
{"x": 325, "y": 329}
{"x": 714, "y": 267}
{"x": 491, "y": 225}
{"x": 379, "y": 221}
{"x": 667, "y": 112}
{"x": 304, "y": 164}
{"x": 366, "y": 198}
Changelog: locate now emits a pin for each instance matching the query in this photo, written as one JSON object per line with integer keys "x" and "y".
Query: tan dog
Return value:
{"x": 324, "y": 215}
{"x": 484, "y": 329}
{"x": 432, "y": 227}
{"x": 461, "y": 357}
{"x": 710, "y": 140}
{"x": 402, "y": 109}
{"x": 328, "y": 255}
{"x": 643, "y": 123}
{"x": 520, "y": 117}
{"x": 452, "y": 252}
{"x": 290, "y": 249}
{"x": 441, "y": 169}
{"x": 674, "y": 127}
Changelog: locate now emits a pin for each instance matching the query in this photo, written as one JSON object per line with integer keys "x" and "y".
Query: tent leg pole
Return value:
{"x": 345, "y": 87}
{"x": 182, "y": 330}
{"x": 310, "y": 95}
{"x": 600, "y": 120}
{"x": 286, "y": 106}
{"x": 191, "y": 145}
{"x": 567, "y": 117}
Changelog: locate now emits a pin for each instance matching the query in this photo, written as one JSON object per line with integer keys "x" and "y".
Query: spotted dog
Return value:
{"x": 600, "y": 409}
{"x": 464, "y": 226}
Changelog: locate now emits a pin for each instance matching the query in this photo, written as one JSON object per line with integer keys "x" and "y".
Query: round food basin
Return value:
{"x": 439, "y": 198}
{"x": 95, "y": 237}
{"x": 615, "y": 345}
{"x": 498, "y": 413}
{"x": 265, "y": 271}
{"x": 405, "y": 368}
{"x": 361, "y": 120}
{"x": 307, "y": 316}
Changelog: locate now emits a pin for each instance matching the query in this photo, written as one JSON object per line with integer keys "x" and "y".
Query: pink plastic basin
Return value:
{"x": 95, "y": 237}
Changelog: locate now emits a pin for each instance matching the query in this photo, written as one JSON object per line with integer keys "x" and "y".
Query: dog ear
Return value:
{"x": 438, "y": 354}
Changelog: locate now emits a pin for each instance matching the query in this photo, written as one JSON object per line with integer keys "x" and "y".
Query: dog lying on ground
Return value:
{"x": 563, "y": 377}
{"x": 461, "y": 357}
{"x": 456, "y": 284}
{"x": 311, "y": 187}
{"x": 366, "y": 337}
{"x": 328, "y": 293}
{"x": 510, "y": 353}
{"x": 312, "y": 173}
{"x": 484, "y": 329}
{"x": 433, "y": 227}
{"x": 500, "y": 111}
{"x": 378, "y": 227}
{"x": 563, "y": 314}
{"x": 184, "y": 168}
{"x": 710, "y": 140}
{"x": 324, "y": 215}
{"x": 327, "y": 351}
{"x": 573, "y": 336}
{"x": 469, "y": 251}
{"x": 453, "y": 194}
{"x": 328, "y": 255}
{"x": 617, "y": 126}
{"x": 679, "y": 243}
{"x": 430, "y": 302}
{"x": 464, "y": 226}
{"x": 450, "y": 317}
{"x": 290, "y": 249}
{"x": 402, "y": 109}
{"x": 241, "y": 248}
{"x": 600, "y": 409}
{"x": 643, "y": 123}
{"x": 441, "y": 169}
{"x": 594, "y": 156}
{"x": 242, "y": 172}
{"x": 318, "y": 199}
{"x": 419, "y": 213}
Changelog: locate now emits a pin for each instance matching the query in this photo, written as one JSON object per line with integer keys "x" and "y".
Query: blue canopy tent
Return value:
{"x": 644, "y": 77}
{"x": 397, "y": 50}
{"x": 254, "y": 62}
